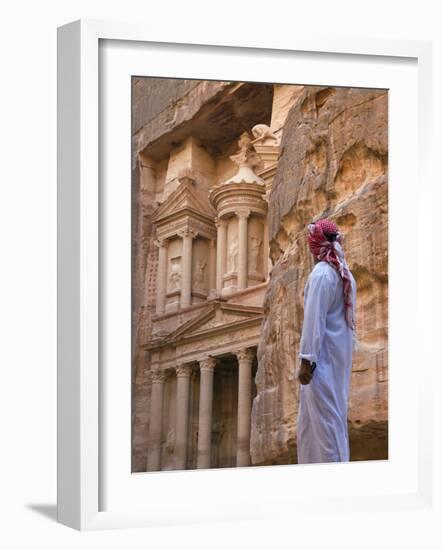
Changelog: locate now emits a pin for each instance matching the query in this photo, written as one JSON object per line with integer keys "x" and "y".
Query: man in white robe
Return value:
{"x": 326, "y": 348}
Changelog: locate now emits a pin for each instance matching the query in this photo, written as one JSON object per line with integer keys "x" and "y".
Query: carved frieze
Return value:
{"x": 242, "y": 200}
{"x": 215, "y": 341}
{"x": 205, "y": 230}
{"x": 220, "y": 319}
{"x": 231, "y": 204}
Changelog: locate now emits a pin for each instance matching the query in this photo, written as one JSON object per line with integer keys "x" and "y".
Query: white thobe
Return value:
{"x": 322, "y": 425}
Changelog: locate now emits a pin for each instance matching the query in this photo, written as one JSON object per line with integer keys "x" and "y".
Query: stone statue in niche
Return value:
{"x": 175, "y": 275}
{"x": 199, "y": 274}
{"x": 254, "y": 253}
{"x": 233, "y": 252}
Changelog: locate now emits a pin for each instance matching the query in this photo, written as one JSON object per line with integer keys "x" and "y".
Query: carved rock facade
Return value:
{"x": 219, "y": 265}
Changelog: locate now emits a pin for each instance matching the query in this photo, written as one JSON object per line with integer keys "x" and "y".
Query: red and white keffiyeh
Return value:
{"x": 330, "y": 250}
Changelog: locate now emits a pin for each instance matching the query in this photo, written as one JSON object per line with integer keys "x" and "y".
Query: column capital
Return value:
{"x": 245, "y": 354}
{"x": 187, "y": 232}
{"x": 220, "y": 222}
{"x": 160, "y": 242}
{"x": 158, "y": 376}
{"x": 243, "y": 213}
{"x": 184, "y": 369}
{"x": 208, "y": 363}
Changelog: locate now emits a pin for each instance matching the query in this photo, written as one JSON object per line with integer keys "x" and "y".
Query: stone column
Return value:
{"x": 265, "y": 248}
{"x": 155, "y": 420}
{"x": 242, "y": 269}
{"x": 205, "y": 412}
{"x": 162, "y": 274}
{"x": 245, "y": 357}
{"x": 186, "y": 281}
{"x": 212, "y": 263}
{"x": 182, "y": 416}
{"x": 221, "y": 252}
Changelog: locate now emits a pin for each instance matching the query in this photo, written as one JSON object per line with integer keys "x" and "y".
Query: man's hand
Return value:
{"x": 305, "y": 374}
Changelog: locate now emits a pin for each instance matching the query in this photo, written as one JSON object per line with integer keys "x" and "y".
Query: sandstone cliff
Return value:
{"x": 333, "y": 162}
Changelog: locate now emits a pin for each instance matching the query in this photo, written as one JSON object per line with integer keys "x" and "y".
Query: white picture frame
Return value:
{"x": 80, "y": 430}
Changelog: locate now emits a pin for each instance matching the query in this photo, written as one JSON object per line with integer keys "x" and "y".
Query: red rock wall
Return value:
{"x": 333, "y": 162}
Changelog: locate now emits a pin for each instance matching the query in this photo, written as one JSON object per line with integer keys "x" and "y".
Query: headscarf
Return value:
{"x": 324, "y": 241}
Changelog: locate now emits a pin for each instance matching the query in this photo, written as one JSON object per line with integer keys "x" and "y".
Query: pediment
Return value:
{"x": 188, "y": 196}
{"x": 218, "y": 316}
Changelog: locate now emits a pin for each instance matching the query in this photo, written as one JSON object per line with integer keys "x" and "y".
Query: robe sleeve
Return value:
{"x": 355, "y": 342}
{"x": 318, "y": 298}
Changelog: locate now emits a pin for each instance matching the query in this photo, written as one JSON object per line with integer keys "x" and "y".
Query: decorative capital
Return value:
{"x": 243, "y": 213}
{"x": 187, "y": 232}
{"x": 245, "y": 354}
{"x": 183, "y": 370}
{"x": 160, "y": 242}
{"x": 158, "y": 376}
{"x": 207, "y": 364}
{"x": 219, "y": 222}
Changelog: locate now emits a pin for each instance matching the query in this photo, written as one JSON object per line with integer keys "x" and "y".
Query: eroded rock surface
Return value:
{"x": 333, "y": 162}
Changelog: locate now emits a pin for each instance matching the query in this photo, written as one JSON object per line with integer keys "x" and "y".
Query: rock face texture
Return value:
{"x": 162, "y": 92}
{"x": 333, "y": 162}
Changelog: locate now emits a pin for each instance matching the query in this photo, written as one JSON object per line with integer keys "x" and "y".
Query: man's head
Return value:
{"x": 320, "y": 231}
{"x": 324, "y": 240}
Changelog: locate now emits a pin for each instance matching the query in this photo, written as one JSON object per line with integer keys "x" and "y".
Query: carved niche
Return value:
{"x": 233, "y": 254}
{"x": 175, "y": 275}
{"x": 255, "y": 256}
